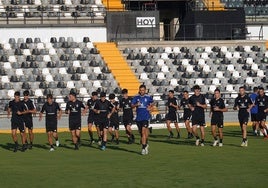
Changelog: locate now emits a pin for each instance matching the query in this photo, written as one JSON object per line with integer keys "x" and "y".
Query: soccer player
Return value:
{"x": 254, "y": 111}
{"x": 73, "y": 108}
{"x": 114, "y": 119}
{"x": 197, "y": 104}
{"x": 143, "y": 104}
{"x": 125, "y": 105}
{"x": 53, "y": 114}
{"x": 243, "y": 104}
{"x": 217, "y": 107}
{"x": 171, "y": 115}
{"x": 28, "y": 117}
{"x": 262, "y": 103}
{"x": 187, "y": 113}
{"x": 17, "y": 109}
{"x": 91, "y": 120}
{"x": 103, "y": 109}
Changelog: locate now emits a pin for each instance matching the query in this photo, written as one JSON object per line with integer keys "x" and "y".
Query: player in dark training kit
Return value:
{"x": 243, "y": 104}
{"x": 28, "y": 117}
{"x": 73, "y": 108}
{"x": 171, "y": 115}
{"x": 143, "y": 104}
{"x": 217, "y": 107}
{"x": 114, "y": 119}
{"x": 187, "y": 113}
{"x": 262, "y": 103}
{"x": 53, "y": 114}
{"x": 125, "y": 105}
{"x": 197, "y": 104}
{"x": 91, "y": 120}
{"x": 103, "y": 109}
{"x": 17, "y": 109}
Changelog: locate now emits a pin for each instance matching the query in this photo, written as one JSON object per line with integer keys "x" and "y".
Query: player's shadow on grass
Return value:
{"x": 122, "y": 149}
{"x": 41, "y": 146}
{"x": 232, "y": 133}
{"x": 8, "y": 146}
{"x": 67, "y": 146}
{"x": 157, "y": 136}
{"x": 174, "y": 142}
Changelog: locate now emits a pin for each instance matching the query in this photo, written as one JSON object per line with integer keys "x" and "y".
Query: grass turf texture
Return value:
{"x": 170, "y": 163}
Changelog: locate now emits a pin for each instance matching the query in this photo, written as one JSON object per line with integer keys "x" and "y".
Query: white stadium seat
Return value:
{"x": 144, "y": 50}
{"x": 5, "y": 79}
{"x": 201, "y": 63}
{"x": 10, "y": 93}
{"x": 173, "y": 82}
{"x": 219, "y": 74}
{"x": 62, "y": 70}
{"x": 84, "y": 77}
{"x": 249, "y": 80}
{"x": 161, "y": 76}
{"x": 7, "y": 65}
{"x": 176, "y": 50}
{"x": 38, "y": 93}
{"x": 144, "y": 76}
{"x": 70, "y": 84}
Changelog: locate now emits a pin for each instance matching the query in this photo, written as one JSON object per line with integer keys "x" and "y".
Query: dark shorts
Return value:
{"x": 218, "y": 121}
{"x": 261, "y": 116}
{"x": 172, "y": 116}
{"x": 198, "y": 120}
{"x": 141, "y": 124}
{"x": 28, "y": 123}
{"x": 243, "y": 119}
{"x": 91, "y": 119}
{"x": 114, "y": 124}
{"x": 51, "y": 125}
{"x": 103, "y": 125}
{"x": 254, "y": 117}
{"x": 18, "y": 125}
{"x": 127, "y": 122}
{"x": 74, "y": 124}
{"x": 187, "y": 116}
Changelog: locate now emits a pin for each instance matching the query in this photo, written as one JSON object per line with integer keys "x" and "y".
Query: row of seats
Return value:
{"x": 52, "y": 8}
{"x": 49, "y": 2}
{"x": 251, "y": 7}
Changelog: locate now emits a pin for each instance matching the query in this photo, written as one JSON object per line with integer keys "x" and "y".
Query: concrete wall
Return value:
{"x": 96, "y": 34}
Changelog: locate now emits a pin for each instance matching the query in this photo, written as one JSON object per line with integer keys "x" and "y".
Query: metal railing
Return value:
{"x": 181, "y": 32}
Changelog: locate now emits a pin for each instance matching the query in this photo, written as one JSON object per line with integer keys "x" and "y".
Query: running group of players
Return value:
{"x": 103, "y": 114}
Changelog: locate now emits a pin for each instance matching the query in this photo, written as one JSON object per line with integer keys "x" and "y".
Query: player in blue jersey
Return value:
{"x": 143, "y": 104}
{"x": 254, "y": 111}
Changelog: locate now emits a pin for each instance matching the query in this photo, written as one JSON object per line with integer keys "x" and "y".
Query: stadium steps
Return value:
{"x": 120, "y": 68}
{"x": 214, "y": 5}
{"x": 113, "y": 5}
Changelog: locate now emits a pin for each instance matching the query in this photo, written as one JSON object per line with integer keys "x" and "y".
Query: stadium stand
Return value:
{"x": 50, "y": 10}
{"x": 252, "y": 7}
{"x": 222, "y": 66}
{"x": 53, "y": 67}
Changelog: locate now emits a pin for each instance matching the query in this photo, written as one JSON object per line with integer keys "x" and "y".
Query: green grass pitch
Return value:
{"x": 170, "y": 163}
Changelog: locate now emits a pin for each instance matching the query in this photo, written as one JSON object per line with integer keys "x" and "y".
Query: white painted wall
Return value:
{"x": 97, "y": 34}
{"x": 254, "y": 31}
